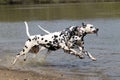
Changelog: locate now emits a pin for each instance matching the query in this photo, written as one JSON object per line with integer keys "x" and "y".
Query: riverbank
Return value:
{"x": 11, "y": 2}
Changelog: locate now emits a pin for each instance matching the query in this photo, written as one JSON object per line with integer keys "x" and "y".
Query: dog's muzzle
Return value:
{"x": 96, "y": 31}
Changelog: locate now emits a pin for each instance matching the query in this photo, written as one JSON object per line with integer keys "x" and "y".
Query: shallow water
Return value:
{"x": 105, "y": 47}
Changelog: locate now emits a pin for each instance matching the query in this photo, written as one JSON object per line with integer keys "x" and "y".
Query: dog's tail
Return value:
{"x": 27, "y": 30}
{"x": 43, "y": 29}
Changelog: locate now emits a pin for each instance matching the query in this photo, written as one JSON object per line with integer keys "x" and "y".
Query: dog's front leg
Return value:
{"x": 74, "y": 52}
{"x": 71, "y": 51}
{"x": 90, "y": 56}
{"x": 81, "y": 48}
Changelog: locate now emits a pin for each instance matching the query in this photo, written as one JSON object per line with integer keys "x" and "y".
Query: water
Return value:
{"x": 105, "y": 47}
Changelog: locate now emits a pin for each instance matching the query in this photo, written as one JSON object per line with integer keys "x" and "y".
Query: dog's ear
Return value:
{"x": 83, "y": 24}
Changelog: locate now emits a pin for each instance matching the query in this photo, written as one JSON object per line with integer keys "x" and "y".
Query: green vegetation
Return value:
{"x": 50, "y": 1}
{"x": 60, "y": 12}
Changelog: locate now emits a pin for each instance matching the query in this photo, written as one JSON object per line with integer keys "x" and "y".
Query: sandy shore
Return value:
{"x": 7, "y": 74}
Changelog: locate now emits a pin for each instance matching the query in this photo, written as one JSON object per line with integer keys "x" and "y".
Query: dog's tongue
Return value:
{"x": 96, "y": 33}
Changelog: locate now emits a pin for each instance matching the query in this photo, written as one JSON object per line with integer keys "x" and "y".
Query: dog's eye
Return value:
{"x": 91, "y": 27}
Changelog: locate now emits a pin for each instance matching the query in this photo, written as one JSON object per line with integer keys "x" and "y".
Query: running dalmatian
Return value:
{"x": 56, "y": 40}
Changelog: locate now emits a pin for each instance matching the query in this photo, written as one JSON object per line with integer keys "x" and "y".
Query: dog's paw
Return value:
{"x": 94, "y": 59}
{"x": 81, "y": 57}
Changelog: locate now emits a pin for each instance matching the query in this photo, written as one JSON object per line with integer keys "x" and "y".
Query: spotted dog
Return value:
{"x": 78, "y": 41}
{"x": 56, "y": 40}
{"x": 52, "y": 41}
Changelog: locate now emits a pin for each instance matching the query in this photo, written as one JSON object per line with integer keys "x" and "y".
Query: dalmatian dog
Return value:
{"x": 54, "y": 41}
{"x": 78, "y": 41}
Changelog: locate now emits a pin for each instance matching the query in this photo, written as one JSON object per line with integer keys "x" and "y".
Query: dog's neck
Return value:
{"x": 74, "y": 31}
{"x": 83, "y": 35}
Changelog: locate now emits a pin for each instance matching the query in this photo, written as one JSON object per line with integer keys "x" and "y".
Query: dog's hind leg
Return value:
{"x": 25, "y": 50}
{"x": 20, "y": 54}
{"x": 48, "y": 52}
{"x": 45, "y": 56}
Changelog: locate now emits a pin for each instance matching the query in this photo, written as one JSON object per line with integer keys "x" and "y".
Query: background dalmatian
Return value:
{"x": 54, "y": 41}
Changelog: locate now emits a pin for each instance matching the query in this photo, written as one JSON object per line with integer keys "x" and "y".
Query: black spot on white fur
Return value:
{"x": 42, "y": 38}
{"x": 55, "y": 36}
{"x": 29, "y": 39}
{"x": 50, "y": 41}
{"x": 26, "y": 47}
{"x": 23, "y": 50}
{"x": 46, "y": 40}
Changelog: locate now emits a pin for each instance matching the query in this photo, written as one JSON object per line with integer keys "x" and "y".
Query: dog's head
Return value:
{"x": 85, "y": 28}
{"x": 88, "y": 29}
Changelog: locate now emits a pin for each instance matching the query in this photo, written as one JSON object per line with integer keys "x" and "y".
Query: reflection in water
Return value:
{"x": 59, "y": 11}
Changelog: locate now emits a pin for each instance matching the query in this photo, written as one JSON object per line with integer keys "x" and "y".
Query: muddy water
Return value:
{"x": 105, "y": 47}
